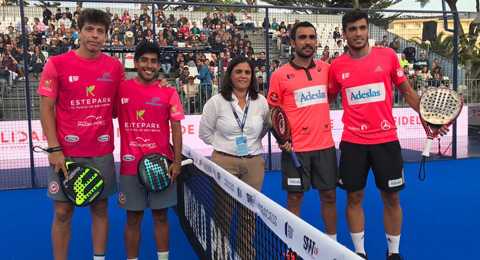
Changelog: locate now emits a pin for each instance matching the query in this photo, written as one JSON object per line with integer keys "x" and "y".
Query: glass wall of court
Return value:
{"x": 20, "y": 127}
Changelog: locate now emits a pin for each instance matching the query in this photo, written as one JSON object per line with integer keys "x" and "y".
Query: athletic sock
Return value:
{"x": 162, "y": 255}
{"x": 133, "y": 258}
{"x": 334, "y": 237}
{"x": 98, "y": 257}
{"x": 393, "y": 243}
{"x": 358, "y": 241}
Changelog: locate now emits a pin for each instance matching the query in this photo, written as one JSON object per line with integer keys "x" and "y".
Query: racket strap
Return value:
{"x": 421, "y": 172}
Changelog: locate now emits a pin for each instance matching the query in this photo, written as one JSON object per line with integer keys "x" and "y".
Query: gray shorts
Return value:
{"x": 133, "y": 196}
{"x": 105, "y": 164}
{"x": 319, "y": 170}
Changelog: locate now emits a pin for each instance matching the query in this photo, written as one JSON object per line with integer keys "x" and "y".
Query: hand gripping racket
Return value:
{"x": 152, "y": 170}
{"x": 438, "y": 107}
{"x": 84, "y": 183}
{"x": 283, "y": 133}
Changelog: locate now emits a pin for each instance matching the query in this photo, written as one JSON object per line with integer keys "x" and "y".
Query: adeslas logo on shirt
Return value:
{"x": 311, "y": 95}
{"x": 367, "y": 94}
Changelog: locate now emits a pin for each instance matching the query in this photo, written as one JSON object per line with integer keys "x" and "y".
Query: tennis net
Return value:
{"x": 223, "y": 218}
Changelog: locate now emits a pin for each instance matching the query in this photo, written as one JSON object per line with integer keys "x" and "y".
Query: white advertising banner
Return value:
{"x": 14, "y": 134}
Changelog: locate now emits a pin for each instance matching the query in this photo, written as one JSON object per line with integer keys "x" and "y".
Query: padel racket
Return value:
{"x": 283, "y": 133}
{"x": 152, "y": 170}
{"x": 84, "y": 183}
{"x": 438, "y": 107}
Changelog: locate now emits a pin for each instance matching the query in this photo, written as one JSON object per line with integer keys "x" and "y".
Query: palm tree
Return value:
{"x": 443, "y": 46}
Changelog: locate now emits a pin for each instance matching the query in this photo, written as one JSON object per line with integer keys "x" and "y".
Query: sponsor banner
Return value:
{"x": 14, "y": 134}
{"x": 304, "y": 239}
{"x": 473, "y": 115}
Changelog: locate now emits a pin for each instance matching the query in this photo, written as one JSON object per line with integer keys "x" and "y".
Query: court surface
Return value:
{"x": 440, "y": 219}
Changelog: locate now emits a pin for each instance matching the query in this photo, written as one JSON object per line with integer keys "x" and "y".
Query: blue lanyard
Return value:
{"x": 241, "y": 124}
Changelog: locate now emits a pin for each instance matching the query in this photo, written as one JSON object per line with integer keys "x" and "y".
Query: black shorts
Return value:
{"x": 319, "y": 169}
{"x": 385, "y": 160}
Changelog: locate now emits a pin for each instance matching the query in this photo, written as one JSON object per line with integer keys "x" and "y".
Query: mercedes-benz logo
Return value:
{"x": 385, "y": 125}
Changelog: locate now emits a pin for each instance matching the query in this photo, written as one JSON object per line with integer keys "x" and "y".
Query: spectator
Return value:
{"x": 54, "y": 49}
{"x": 126, "y": 15}
{"x": 403, "y": 61}
{"x": 58, "y": 15}
{"x": 190, "y": 91}
{"x": 184, "y": 73}
{"x": 160, "y": 16}
{"x": 265, "y": 24}
{"x": 262, "y": 72}
{"x": 12, "y": 34}
{"x": 215, "y": 19}
{"x": 37, "y": 61}
{"x": 285, "y": 44}
{"x": 50, "y": 31}
{"x": 274, "y": 66}
{"x": 144, "y": 15}
{"x": 107, "y": 10}
{"x": 384, "y": 42}
{"x": 52, "y": 21}
{"x": 18, "y": 58}
{"x": 261, "y": 61}
{"x": 231, "y": 18}
{"x": 422, "y": 62}
{"x": 68, "y": 14}
{"x": 218, "y": 45}
{"x": 77, "y": 11}
{"x": 205, "y": 76}
{"x": 325, "y": 57}
{"x": 195, "y": 30}
{"x": 336, "y": 34}
{"x": 222, "y": 16}
{"x": 226, "y": 59}
{"x": 437, "y": 77}
{"x": 67, "y": 23}
{"x": 274, "y": 24}
{"x": 46, "y": 13}
{"x": 166, "y": 59}
{"x": 426, "y": 75}
{"x": 436, "y": 62}
{"x": 395, "y": 44}
{"x": 262, "y": 86}
{"x": 247, "y": 22}
{"x": 8, "y": 65}
{"x": 18, "y": 27}
{"x": 338, "y": 48}
{"x": 173, "y": 22}
{"x": 41, "y": 26}
{"x": 207, "y": 20}
{"x": 127, "y": 26}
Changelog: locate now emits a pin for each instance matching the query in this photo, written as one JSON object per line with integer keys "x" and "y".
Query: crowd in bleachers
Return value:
{"x": 197, "y": 75}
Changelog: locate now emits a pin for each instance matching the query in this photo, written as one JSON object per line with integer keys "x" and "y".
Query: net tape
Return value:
{"x": 301, "y": 237}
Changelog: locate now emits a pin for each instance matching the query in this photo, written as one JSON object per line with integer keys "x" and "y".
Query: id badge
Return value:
{"x": 242, "y": 147}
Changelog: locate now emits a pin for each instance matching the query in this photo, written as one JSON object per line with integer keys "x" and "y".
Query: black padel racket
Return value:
{"x": 283, "y": 133}
{"x": 84, "y": 183}
{"x": 152, "y": 170}
{"x": 438, "y": 107}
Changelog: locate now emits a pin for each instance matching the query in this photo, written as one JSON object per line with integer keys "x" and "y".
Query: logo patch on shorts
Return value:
{"x": 53, "y": 187}
{"x": 294, "y": 182}
{"x": 395, "y": 183}
{"x": 121, "y": 197}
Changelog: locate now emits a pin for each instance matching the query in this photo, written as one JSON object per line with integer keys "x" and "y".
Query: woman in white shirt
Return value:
{"x": 234, "y": 123}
